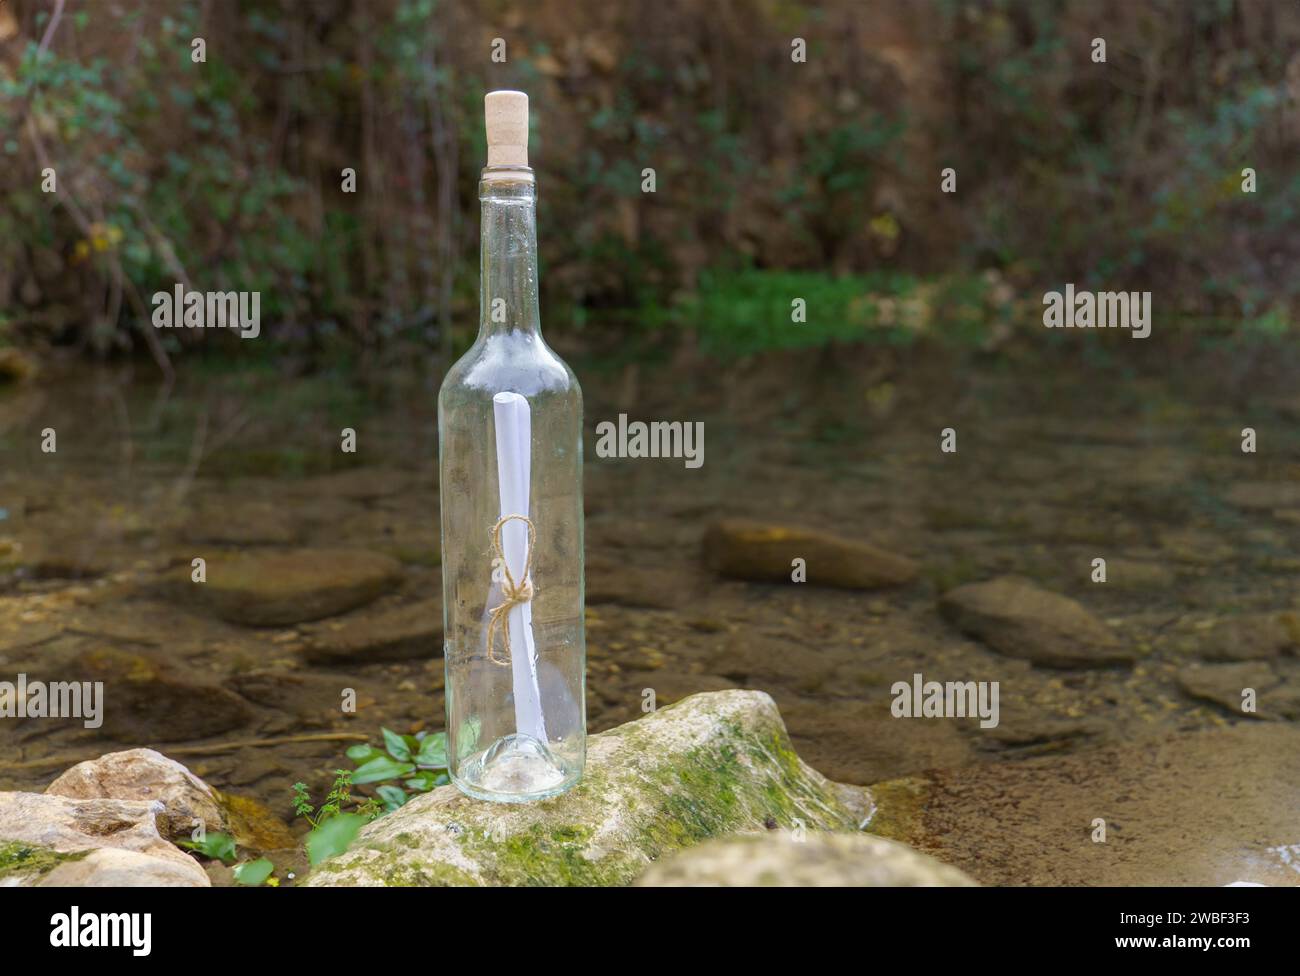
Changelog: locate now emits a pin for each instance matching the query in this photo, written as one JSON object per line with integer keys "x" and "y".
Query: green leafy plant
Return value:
{"x": 221, "y": 847}
{"x": 339, "y": 797}
{"x": 419, "y": 761}
{"x": 334, "y": 836}
{"x": 215, "y": 845}
{"x": 333, "y": 829}
{"x": 254, "y": 873}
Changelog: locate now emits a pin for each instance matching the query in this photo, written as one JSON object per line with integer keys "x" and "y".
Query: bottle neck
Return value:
{"x": 508, "y": 264}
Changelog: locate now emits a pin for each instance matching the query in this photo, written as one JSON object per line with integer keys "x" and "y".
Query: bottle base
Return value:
{"x": 514, "y": 769}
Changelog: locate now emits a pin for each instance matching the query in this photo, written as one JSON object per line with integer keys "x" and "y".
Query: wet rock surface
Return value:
{"x": 1253, "y": 689}
{"x": 764, "y": 552}
{"x": 265, "y": 588}
{"x": 1021, "y": 620}
{"x": 147, "y": 698}
{"x": 1247, "y": 637}
{"x": 411, "y": 631}
{"x": 611, "y": 581}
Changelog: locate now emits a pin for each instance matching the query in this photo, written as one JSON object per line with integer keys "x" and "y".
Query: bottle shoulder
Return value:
{"x": 515, "y": 362}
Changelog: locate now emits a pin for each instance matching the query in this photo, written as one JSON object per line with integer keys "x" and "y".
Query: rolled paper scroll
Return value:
{"x": 514, "y": 463}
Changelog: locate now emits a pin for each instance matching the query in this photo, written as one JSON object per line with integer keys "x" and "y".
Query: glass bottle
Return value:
{"x": 512, "y": 580}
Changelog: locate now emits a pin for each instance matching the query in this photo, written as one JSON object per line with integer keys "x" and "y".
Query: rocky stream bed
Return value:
{"x": 1118, "y": 700}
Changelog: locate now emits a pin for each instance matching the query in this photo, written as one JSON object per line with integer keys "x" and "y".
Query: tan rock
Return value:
{"x": 656, "y": 588}
{"x": 37, "y": 827}
{"x": 112, "y": 868}
{"x": 397, "y": 634}
{"x": 1023, "y": 621}
{"x": 747, "y": 550}
{"x": 143, "y": 774}
{"x": 1224, "y": 685}
{"x": 1248, "y": 637}
{"x": 811, "y": 860}
{"x": 277, "y": 587}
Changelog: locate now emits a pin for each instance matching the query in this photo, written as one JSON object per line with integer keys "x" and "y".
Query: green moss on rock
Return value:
{"x": 17, "y": 858}
{"x": 710, "y": 765}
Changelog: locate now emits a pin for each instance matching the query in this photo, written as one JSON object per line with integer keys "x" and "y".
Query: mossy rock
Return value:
{"x": 21, "y": 864}
{"x": 52, "y": 840}
{"x": 711, "y": 765}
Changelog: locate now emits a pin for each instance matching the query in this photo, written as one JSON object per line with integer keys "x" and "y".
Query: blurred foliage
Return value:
{"x": 748, "y": 311}
{"x": 817, "y": 179}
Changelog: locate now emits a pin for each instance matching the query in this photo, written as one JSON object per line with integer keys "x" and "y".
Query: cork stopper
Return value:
{"x": 507, "y": 128}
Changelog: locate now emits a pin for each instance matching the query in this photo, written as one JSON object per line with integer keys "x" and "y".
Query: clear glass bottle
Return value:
{"x": 499, "y": 746}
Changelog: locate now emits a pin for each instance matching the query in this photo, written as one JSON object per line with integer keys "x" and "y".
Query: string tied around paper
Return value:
{"x": 514, "y": 592}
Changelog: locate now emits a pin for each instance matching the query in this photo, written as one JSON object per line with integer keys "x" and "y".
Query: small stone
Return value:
{"x": 1248, "y": 637}
{"x": 745, "y": 657}
{"x": 293, "y": 693}
{"x": 1030, "y": 732}
{"x": 819, "y": 860}
{"x": 609, "y": 581}
{"x": 1023, "y": 621}
{"x": 707, "y": 625}
{"x": 1223, "y": 684}
{"x": 275, "y": 588}
{"x": 397, "y": 634}
{"x": 756, "y": 551}
{"x": 143, "y": 774}
{"x": 146, "y": 699}
{"x": 857, "y": 740}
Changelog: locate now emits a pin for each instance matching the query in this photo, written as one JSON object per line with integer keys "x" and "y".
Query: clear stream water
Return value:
{"x": 1064, "y": 455}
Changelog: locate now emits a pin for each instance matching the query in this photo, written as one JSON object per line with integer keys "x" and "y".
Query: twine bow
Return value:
{"x": 513, "y": 593}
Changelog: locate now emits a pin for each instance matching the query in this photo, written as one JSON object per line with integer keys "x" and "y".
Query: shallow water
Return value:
{"x": 1063, "y": 456}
